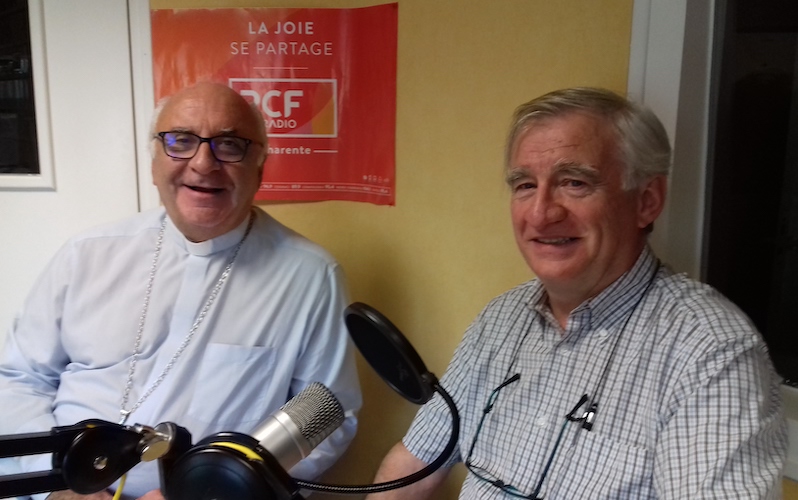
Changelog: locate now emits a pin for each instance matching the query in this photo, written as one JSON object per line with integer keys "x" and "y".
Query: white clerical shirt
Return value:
{"x": 275, "y": 327}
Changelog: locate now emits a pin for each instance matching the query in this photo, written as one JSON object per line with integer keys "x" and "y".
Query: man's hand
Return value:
{"x": 399, "y": 462}
{"x": 71, "y": 495}
{"x": 100, "y": 495}
{"x": 152, "y": 495}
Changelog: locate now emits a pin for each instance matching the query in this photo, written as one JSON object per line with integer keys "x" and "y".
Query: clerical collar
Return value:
{"x": 207, "y": 247}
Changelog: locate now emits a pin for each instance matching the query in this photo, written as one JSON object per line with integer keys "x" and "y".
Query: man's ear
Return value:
{"x": 651, "y": 200}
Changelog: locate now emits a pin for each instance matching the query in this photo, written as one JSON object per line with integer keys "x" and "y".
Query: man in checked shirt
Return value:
{"x": 607, "y": 376}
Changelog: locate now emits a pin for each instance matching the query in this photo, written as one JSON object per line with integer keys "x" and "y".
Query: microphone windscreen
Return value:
{"x": 316, "y": 412}
{"x": 291, "y": 433}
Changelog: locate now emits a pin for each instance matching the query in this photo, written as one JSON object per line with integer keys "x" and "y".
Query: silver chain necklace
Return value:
{"x": 123, "y": 412}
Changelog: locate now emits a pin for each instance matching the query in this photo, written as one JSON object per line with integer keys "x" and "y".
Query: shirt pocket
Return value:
{"x": 229, "y": 391}
{"x": 606, "y": 467}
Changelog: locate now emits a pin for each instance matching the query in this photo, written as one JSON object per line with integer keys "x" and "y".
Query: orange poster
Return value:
{"x": 324, "y": 79}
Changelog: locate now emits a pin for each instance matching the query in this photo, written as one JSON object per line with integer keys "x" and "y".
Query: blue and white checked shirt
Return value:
{"x": 690, "y": 409}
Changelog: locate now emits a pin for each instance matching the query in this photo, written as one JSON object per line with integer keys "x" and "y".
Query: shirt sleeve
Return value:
{"x": 431, "y": 428}
{"x": 32, "y": 360}
{"x": 724, "y": 434}
{"x": 328, "y": 357}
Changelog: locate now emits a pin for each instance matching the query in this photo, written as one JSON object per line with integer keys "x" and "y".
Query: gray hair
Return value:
{"x": 642, "y": 140}
{"x": 261, "y": 134}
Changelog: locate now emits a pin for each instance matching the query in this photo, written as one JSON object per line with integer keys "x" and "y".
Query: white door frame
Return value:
{"x": 143, "y": 97}
{"x": 674, "y": 83}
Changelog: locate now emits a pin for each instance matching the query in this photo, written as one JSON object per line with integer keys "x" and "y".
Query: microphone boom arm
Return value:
{"x": 87, "y": 457}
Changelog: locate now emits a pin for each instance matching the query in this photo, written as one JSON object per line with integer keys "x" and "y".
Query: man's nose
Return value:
{"x": 545, "y": 208}
{"x": 204, "y": 161}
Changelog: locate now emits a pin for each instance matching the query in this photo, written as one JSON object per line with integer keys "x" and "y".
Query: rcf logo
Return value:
{"x": 293, "y": 107}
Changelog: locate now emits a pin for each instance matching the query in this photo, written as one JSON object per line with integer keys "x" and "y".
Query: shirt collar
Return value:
{"x": 611, "y": 304}
{"x": 617, "y": 300}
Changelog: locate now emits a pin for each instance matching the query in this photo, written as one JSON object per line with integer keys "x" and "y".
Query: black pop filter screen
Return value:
{"x": 388, "y": 352}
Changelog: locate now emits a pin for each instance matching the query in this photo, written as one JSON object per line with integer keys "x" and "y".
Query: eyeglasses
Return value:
{"x": 184, "y": 146}
{"x": 486, "y": 476}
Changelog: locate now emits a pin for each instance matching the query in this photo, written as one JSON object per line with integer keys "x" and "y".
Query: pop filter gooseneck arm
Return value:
{"x": 404, "y": 481}
{"x": 390, "y": 354}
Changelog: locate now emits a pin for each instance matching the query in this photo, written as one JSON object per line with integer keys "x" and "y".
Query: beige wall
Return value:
{"x": 433, "y": 261}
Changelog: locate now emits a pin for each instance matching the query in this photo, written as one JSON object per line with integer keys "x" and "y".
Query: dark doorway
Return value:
{"x": 751, "y": 247}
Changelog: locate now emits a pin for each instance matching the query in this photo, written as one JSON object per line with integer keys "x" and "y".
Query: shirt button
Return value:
{"x": 603, "y": 334}
{"x": 541, "y": 422}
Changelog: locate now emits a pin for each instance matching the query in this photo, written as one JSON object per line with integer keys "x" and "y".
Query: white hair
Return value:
{"x": 642, "y": 140}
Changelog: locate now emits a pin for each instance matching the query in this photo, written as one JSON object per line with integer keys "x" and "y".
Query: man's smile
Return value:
{"x": 554, "y": 241}
{"x": 203, "y": 189}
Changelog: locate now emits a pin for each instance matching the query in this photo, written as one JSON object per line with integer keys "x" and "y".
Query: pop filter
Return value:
{"x": 389, "y": 353}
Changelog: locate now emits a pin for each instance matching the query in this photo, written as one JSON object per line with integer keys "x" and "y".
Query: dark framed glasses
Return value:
{"x": 184, "y": 146}
{"x": 486, "y": 476}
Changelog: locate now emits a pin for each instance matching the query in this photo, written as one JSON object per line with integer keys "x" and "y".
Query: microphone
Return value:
{"x": 291, "y": 433}
{"x": 236, "y": 466}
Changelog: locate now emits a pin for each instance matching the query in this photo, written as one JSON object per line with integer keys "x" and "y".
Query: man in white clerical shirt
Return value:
{"x": 206, "y": 312}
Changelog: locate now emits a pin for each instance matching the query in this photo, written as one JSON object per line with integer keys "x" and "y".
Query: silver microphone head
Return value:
{"x": 316, "y": 412}
{"x": 300, "y": 425}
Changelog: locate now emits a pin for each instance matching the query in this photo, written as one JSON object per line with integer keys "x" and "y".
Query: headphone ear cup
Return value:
{"x": 228, "y": 466}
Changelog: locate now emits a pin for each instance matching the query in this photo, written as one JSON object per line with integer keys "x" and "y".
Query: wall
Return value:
{"x": 434, "y": 260}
